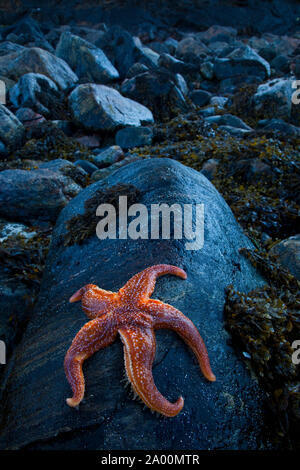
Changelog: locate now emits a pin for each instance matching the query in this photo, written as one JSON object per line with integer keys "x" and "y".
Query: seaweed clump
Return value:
{"x": 82, "y": 226}
{"x": 48, "y": 142}
{"x": 264, "y": 323}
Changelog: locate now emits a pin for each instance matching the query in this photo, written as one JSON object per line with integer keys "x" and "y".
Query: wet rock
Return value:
{"x": 28, "y": 31}
{"x": 108, "y": 156}
{"x": 181, "y": 83}
{"x": 91, "y": 141}
{"x": 136, "y": 69}
{"x": 124, "y": 50}
{"x": 191, "y": 50}
{"x": 8, "y": 47}
{"x": 171, "y": 44}
{"x": 3, "y": 149}
{"x": 228, "y": 120}
{"x": 108, "y": 170}
{"x": 234, "y": 131}
{"x": 37, "y": 194}
{"x": 233, "y": 84}
{"x": 227, "y": 414}
{"x": 281, "y": 63}
{"x": 87, "y": 166}
{"x": 217, "y": 33}
{"x": 279, "y": 128}
{"x": 209, "y": 168}
{"x": 219, "y": 101}
{"x": 175, "y": 65}
{"x": 39, "y": 61}
{"x": 158, "y": 91}
{"x": 288, "y": 252}
{"x": 242, "y": 61}
{"x": 252, "y": 170}
{"x": 200, "y": 97}
{"x": 11, "y": 129}
{"x": 159, "y": 47}
{"x": 36, "y": 91}
{"x": 134, "y": 137}
{"x": 66, "y": 168}
{"x": 29, "y": 118}
{"x": 98, "y": 107}
{"x": 88, "y": 61}
{"x": 207, "y": 70}
{"x": 277, "y": 96}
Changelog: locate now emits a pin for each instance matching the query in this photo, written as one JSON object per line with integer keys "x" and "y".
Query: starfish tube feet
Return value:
{"x": 139, "y": 352}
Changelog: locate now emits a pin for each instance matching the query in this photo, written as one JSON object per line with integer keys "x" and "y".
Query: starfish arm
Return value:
{"x": 94, "y": 335}
{"x": 139, "y": 352}
{"x": 141, "y": 286}
{"x": 166, "y": 316}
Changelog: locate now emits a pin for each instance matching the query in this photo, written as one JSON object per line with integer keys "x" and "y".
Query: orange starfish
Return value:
{"x": 131, "y": 313}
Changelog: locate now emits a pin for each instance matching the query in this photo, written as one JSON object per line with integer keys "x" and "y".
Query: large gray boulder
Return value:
{"x": 88, "y": 61}
{"x": 98, "y": 107}
{"x": 227, "y": 414}
{"x": 37, "y": 60}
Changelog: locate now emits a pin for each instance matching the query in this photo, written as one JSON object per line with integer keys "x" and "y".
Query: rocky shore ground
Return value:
{"x": 176, "y": 104}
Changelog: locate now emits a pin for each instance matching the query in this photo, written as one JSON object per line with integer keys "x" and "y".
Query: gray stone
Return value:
{"x": 288, "y": 252}
{"x": 105, "y": 172}
{"x": 28, "y": 196}
{"x": 108, "y": 156}
{"x": 277, "y": 96}
{"x": 207, "y": 70}
{"x": 228, "y": 120}
{"x": 39, "y": 61}
{"x": 191, "y": 50}
{"x": 88, "y": 61}
{"x": 136, "y": 69}
{"x": 226, "y": 414}
{"x": 200, "y": 97}
{"x": 134, "y": 137}
{"x": 98, "y": 107}
{"x": 87, "y": 166}
{"x": 11, "y": 129}
{"x": 124, "y": 50}
{"x": 242, "y": 61}
{"x": 35, "y": 91}
{"x": 158, "y": 91}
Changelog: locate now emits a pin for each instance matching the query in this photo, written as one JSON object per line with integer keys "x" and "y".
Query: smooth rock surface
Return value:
{"x": 35, "y": 91}
{"x": 98, "y": 107}
{"x": 226, "y": 414}
{"x": 39, "y": 61}
{"x": 242, "y": 61}
{"x": 88, "y": 61}
{"x": 11, "y": 129}
{"x": 37, "y": 194}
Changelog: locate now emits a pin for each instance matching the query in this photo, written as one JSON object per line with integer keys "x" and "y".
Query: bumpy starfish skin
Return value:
{"x": 131, "y": 313}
